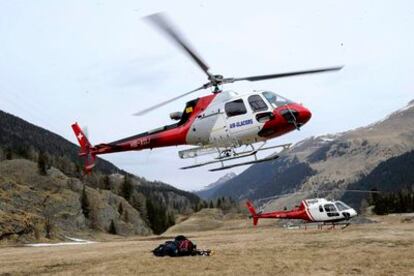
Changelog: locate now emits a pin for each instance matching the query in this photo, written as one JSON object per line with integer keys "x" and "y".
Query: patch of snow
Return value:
{"x": 73, "y": 241}
{"x": 405, "y": 108}
{"x": 409, "y": 106}
{"x": 326, "y": 139}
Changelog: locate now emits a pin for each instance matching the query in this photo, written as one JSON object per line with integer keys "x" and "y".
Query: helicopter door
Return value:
{"x": 240, "y": 123}
{"x": 219, "y": 133}
{"x": 260, "y": 109}
{"x": 331, "y": 210}
{"x": 317, "y": 212}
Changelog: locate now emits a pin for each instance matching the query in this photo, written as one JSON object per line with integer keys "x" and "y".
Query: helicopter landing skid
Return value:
{"x": 272, "y": 157}
{"x": 253, "y": 152}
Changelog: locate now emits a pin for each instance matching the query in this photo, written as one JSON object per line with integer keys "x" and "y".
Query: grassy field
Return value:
{"x": 384, "y": 248}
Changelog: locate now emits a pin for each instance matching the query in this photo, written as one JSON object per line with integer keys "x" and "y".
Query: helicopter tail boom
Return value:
{"x": 86, "y": 148}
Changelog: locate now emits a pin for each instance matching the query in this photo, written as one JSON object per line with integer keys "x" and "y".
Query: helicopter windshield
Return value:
{"x": 276, "y": 100}
{"x": 341, "y": 206}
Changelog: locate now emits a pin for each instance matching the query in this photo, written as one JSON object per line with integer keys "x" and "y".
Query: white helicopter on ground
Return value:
{"x": 318, "y": 210}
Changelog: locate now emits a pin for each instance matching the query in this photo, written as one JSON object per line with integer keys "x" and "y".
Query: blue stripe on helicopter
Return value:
{"x": 241, "y": 123}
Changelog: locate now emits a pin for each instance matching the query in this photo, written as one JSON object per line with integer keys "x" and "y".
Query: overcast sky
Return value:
{"x": 97, "y": 62}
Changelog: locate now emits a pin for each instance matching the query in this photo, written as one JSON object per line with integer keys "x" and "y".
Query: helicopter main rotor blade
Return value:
{"x": 142, "y": 112}
{"x": 161, "y": 21}
{"x": 282, "y": 75}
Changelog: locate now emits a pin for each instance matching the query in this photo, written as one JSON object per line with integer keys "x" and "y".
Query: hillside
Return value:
{"x": 156, "y": 203}
{"x": 24, "y": 138}
{"x": 330, "y": 162}
{"x": 391, "y": 175}
{"x": 36, "y": 207}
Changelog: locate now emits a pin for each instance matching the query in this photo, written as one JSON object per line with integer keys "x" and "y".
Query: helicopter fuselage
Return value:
{"x": 310, "y": 210}
{"x": 218, "y": 120}
{"x": 231, "y": 120}
{"x": 223, "y": 119}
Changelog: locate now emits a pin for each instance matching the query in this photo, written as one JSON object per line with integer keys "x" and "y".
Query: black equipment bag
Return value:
{"x": 180, "y": 246}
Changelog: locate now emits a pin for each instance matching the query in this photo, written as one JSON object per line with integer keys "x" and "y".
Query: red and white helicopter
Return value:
{"x": 310, "y": 210}
{"x": 219, "y": 123}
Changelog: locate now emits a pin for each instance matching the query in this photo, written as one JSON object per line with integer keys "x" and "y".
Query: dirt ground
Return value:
{"x": 384, "y": 248}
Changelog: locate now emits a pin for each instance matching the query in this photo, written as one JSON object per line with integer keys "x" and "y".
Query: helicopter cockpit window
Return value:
{"x": 235, "y": 108}
{"x": 341, "y": 206}
{"x": 257, "y": 104}
{"x": 276, "y": 100}
{"x": 331, "y": 210}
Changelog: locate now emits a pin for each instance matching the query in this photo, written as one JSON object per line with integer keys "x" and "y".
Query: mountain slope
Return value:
{"x": 208, "y": 190}
{"x": 27, "y": 140}
{"x": 155, "y": 202}
{"x": 23, "y": 137}
{"x": 391, "y": 175}
{"x": 328, "y": 162}
{"x": 37, "y": 207}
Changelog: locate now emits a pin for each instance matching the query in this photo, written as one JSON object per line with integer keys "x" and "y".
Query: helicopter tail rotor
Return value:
{"x": 252, "y": 211}
{"x": 86, "y": 148}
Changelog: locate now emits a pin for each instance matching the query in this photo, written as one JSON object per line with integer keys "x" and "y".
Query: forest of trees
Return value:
{"x": 392, "y": 177}
{"x": 226, "y": 204}
{"x": 393, "y": 202}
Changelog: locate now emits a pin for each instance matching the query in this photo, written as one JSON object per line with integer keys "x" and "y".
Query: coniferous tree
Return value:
{"x": 127, "y": 188}
{"x": 106, "y": 183}
{"x": 138, "y": 201}
{"x": 218, "y": 203}
{"x": 198, "y": 207}
{"x": 85, "y": 203}
{"x": 159, "y": 219}
{"x": 120, "y": 209}
{"x": 171, "y": 220}
{"x": 112, "y": 228}
{"x": 398, "y": 202}
{"x": 42, "y": 163}
{"x": 8, "y": 154}
{"x": 150, "y": 212}
{"x": 48, "y": 228}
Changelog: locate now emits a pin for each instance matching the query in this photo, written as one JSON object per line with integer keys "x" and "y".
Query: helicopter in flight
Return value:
{"x": 222, "y": 123}
{"x": 310, "y": 210}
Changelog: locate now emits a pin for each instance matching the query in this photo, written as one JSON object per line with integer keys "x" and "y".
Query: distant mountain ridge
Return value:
{"x": 208, "y": 190}
{"x": 327, "y": 162}
{"x": 20, "y": 135}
